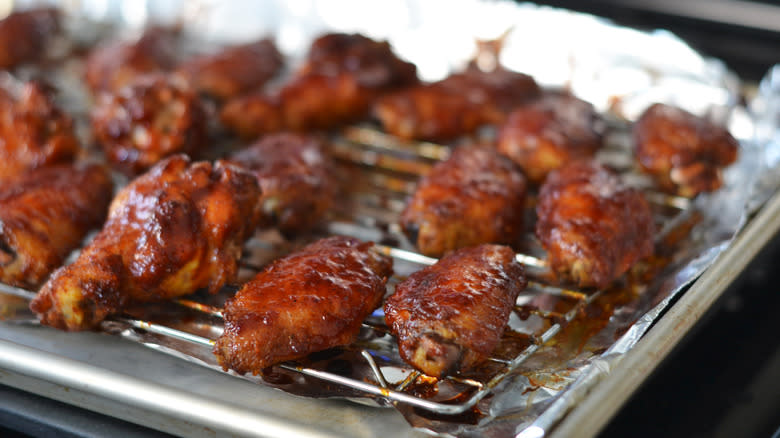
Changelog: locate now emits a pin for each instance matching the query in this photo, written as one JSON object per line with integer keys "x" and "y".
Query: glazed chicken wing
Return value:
{"x": 111, "y": 66}
{"x": 454, "y": 106}
{"x": 309, "y": 301}
{"x": 234, "y": 70}
{"x": 44, "y": 215}
{"x": 153, "y": 117}
{"x": 296, "y": 180}
{"x": 548, "y": 133}
{"x": 684, "y": 153}
{"x": 342, "y": 76}
{"x": 176, "y": 229}
{"x": 476, "y": 196}
{"x": 593, "y": 226}
{"x": 449, "y": 317}
{"x": 24, "y": 35}
{"x": 34, "y": 132}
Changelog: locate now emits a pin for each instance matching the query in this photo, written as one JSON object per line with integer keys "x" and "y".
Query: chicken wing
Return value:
{"x": 111, "y": 66}
{"x": 449, "y": 317}
{"x": 550, "y": 132}
{"x": 454, "y": 106}
{"x": 178, "y": 228}
{"x": 234, "y": 70}
{"x": 153, "y": 117}
{"x": 34, "y": 132}
{"x": 684, "y": 153}
{"x": 297, "y": 186}
{"x": 476, "y": 196}
{"x": 342, "y": 76}
{"x": 309, "y": 301}
{"x": 593, "y": 226}
{"x": 25, "y": 34}
{"x": 44, "y": 215}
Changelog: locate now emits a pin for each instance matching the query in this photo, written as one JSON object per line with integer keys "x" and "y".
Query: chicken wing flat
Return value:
{"x": 592, "y": 225}
{"x": 44, "y": 215}
{"x": 111, "y": 66}
{"x": 544, "y": 135}
{"x": 153, "y": 117}
{"x": 176, "y": 229}
{"x": 25, "y": 34}
{"x": 309, "y": 301}
{"x": 476, "y": 196}
{"x": 684, "y": 152}
{"x": 297, "y": 186}
{"x": 234, "y": 70}
{"x": 449, "y": 317}
{"x": 342, "y": 76}
{"x": 34, "y": 132}
{"x": 454, "y": 106}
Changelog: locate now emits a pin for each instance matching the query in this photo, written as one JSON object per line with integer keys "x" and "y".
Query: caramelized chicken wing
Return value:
{"x": 297, "y": 186}
{"x": 684, "y": 153}
{"x": 234, "y": 70}
{"x": 176, "y": 229}
{"x": 34, "y": 132}
{"x": 476, "y": 196}
{"x": 449, "y": 317}
{"x": 153, "y": 117}
{"x": 44, "y": 215}
{"x": 24, "y": 35}
{"x": 593, "y": 226}
{"x": 454, "y": 106}
{"x": 111, "y": 66}
{"x": 343, "y": 75}
{"x": 548, "y": 133}
{"x": 309, "y": 301}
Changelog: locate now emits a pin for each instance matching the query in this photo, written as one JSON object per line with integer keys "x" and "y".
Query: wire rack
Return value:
{"x": 381, "y": 172}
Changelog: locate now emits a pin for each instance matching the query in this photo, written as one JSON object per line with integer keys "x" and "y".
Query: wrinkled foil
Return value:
{"x": 621, "y": 71}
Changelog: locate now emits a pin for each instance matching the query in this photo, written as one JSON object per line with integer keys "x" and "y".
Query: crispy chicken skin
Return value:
{"x": 176, "y": 229}
{"x": 456, "y": 105}
{"x": 24, "y": 35}
{"x": 684, "y": 152}
{"x": 234, "y": 70}
{"x": 546, "y": 134}
{"x": 153, "y": 117}
{"x": 111, "y": 66}
{"x": 34, "y": 132}
{"x": 476, "y": 196}
{"x": 342, "y": 76}
{"x": 309, "y": 301}
{"x": 593, "y": 226}
{"x": 44, "y": 215}
{"x": 295, "y": 177}
{"x": 449, "y": 317}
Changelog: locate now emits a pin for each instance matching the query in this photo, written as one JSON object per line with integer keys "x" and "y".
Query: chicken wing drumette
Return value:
{"x": 153, "y": 117}
{"x": 456, "y": 105}
{"x": 544, "y": 135}
{"x": 114, "y": 65}
{"x": 44, "y": 215}
{"x": 309, "y": 301}
{"x": 178, "y": 228}
{"x": 449, "y": 317}
{"x": 343, "y": 75}
{"x": 34, "y": 132}
{"x": 476, "y": 196}
{"x": 234, "y": 70}
{"x": 684, "y": 152}
{"x": 25, "y": 34}
{"x": 296, "y": 180}
{"x": 592, "y": 225}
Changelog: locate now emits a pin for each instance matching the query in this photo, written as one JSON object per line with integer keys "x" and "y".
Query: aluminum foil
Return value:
{"x": 621, "y": 71}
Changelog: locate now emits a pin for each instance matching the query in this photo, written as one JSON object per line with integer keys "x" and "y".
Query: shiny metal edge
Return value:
{"x": 597, "y": 407}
